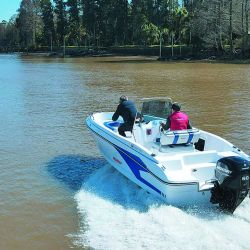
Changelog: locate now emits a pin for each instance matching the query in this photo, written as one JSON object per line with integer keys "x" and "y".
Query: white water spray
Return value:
{"x": 117, "y": 214}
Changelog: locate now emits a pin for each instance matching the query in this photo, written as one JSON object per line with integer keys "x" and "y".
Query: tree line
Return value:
{"x": 221, "y": 25}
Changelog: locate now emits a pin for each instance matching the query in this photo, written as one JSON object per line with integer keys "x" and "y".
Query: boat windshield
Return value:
{"x": 156, "y": 108}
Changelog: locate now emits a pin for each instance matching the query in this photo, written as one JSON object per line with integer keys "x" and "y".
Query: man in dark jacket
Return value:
{"x": 127, "y": 110}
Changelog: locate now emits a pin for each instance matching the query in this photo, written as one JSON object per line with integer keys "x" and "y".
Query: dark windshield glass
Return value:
{"x": 156, "y": 107}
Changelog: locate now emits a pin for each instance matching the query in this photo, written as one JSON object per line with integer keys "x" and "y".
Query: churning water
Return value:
{"x": 116, "y": 214}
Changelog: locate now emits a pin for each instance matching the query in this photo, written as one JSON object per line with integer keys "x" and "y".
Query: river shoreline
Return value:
{"x": 176, "y": 59}
{"x": 148, "y": 53}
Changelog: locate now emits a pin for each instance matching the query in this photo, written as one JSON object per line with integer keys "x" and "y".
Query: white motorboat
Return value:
{"x": 186, "y": 167}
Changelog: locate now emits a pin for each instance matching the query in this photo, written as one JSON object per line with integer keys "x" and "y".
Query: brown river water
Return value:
{"x": 57, "y": 192}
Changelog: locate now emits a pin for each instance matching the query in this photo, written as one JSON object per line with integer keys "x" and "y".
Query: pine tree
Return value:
{"x": 89, "y": 19}
{"x": 61, "y": 20}
{"x": 48, "y": 21}
{"x": 25, "y": 23}
{"x": 74, "y": 22}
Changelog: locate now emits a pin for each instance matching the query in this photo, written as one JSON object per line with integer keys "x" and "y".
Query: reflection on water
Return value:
{"x": 47, "y": 154}
{"x": 73, "y": 170}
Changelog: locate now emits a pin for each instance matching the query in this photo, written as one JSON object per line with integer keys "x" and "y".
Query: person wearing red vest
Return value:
{"x": 177, "y": 120}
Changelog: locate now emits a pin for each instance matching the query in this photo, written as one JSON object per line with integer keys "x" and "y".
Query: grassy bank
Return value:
{"x": 168, "y": 53}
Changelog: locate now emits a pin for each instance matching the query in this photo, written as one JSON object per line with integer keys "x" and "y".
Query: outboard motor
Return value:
{"x": 232, "y": 183}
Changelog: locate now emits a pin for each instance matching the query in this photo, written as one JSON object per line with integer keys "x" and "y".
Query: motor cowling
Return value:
{"x": 232, "y": 185}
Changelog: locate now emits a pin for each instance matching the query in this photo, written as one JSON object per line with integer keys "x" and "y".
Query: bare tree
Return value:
{"x": 29, "y": 23}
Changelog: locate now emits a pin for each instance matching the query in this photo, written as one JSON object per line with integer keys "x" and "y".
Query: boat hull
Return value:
{"x": 140, "y": 167}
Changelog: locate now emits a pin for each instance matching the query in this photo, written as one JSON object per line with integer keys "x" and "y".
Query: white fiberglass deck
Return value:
{"x": 182, "y": 162}
{"x": 177, "y": 166}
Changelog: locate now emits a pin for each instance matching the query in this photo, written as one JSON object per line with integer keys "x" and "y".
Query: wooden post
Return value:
{"x": 160, "y": 43}
{"x": 63, "y": 46}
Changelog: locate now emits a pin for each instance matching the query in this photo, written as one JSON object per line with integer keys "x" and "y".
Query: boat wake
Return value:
{"x": 242, "y": 213}
{"x": 117, "y": 214}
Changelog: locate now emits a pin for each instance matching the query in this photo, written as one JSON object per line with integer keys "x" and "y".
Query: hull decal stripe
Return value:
{"x": 143, "y": 166}
{"x": 136, "y": 165}
{"x": 99, "y": 127}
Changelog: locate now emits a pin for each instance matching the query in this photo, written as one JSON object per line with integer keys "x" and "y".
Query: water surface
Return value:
{"x": 57, "y": 192}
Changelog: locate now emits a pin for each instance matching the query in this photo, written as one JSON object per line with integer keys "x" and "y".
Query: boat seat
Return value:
{"x": 174, "y": 137}
{"x": 113, "y": 125}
